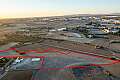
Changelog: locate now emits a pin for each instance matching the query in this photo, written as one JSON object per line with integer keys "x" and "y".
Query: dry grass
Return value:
{"x": 18, "y": 75}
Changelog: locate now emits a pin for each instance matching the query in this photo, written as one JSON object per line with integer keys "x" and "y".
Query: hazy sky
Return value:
{"x": 30, "y": 8}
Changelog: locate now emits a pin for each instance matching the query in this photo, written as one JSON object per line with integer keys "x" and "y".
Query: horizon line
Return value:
{"x": 82, "y": 14}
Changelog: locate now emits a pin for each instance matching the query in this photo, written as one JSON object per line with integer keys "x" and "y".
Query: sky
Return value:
{"x": 35, "y": 8}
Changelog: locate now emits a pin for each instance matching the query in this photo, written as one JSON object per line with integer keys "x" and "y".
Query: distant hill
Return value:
{"x": 116, "y": 13}
{"x": 111, "y": 14}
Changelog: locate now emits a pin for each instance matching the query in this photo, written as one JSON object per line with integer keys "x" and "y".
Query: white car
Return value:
{"x": 18, "y": 61}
